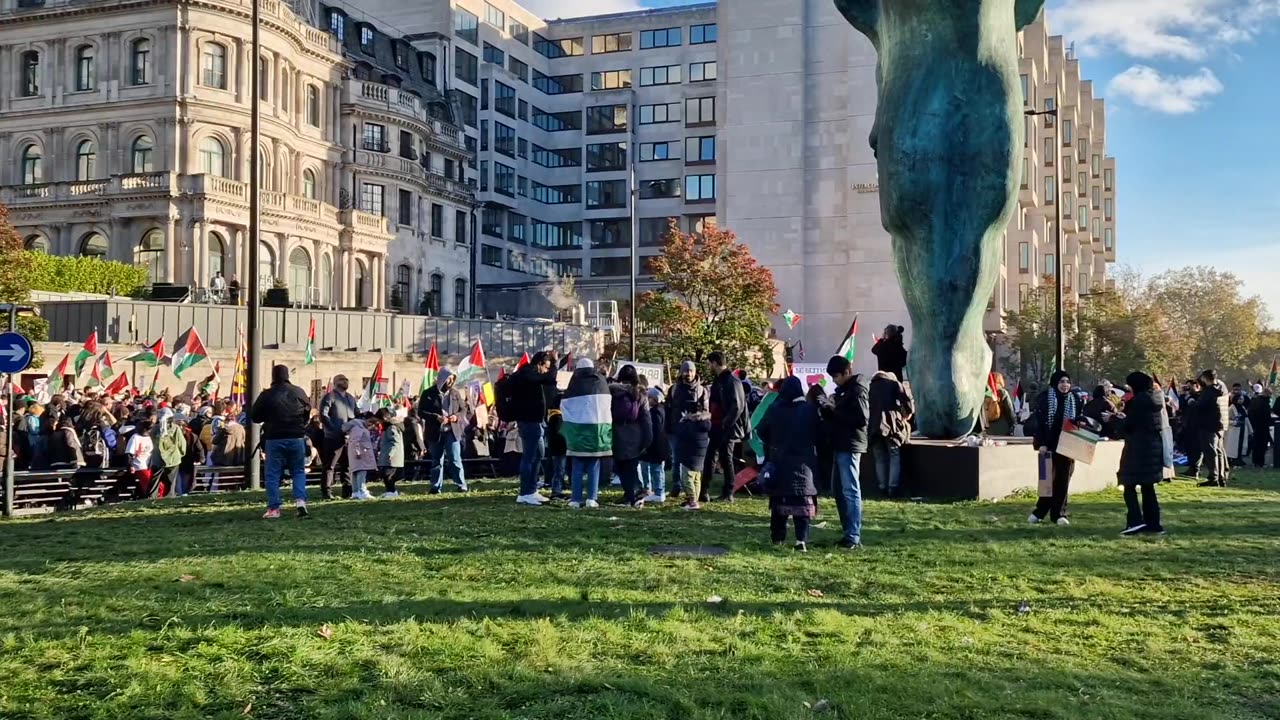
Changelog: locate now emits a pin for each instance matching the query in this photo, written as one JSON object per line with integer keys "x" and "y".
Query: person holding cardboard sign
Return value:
{"x": 1057, "y": 405}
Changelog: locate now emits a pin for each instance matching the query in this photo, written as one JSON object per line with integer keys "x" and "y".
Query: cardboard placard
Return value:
{"x": 562, "y": 379}
{"x": 1077, "y": 443}
{"x": 814, "y": 374}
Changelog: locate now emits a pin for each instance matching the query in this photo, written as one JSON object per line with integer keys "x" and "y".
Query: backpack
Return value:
{"x": 502, "y": 398}
{"x": 991, "y": 408}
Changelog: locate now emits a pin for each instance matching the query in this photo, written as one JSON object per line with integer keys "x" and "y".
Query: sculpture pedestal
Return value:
{"x": 937, "y": 469}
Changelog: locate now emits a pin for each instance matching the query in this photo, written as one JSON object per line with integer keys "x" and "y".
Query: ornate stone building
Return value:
{"x": 124, "y": 133}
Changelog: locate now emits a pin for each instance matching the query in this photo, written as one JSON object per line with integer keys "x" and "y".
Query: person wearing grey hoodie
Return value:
{"x": 337, "y": 408}
{"x": 445, "y": 412}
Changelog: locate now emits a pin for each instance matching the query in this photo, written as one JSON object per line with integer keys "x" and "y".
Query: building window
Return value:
{"x": 85, "y": 79}
{"x": 699, "y": 188}
{"x": 213, "y": 66}
{"x": 557, "y": 194}
{"x": 611, "y": 80}
{"x": 435, "y": 295}
{"x": 700, "y": 224}
{"x": 1097, "y": 165}
{"x": 504, "y": 179}
{"x": 400, "y": 291}
{"x": 504, "y": 139}
{"x": 86, "y": 160}
{"x": 698, "y": 150}
{"x": 437, "y": 220}
{"x": 309, "y": 189}
{"x": 1049, "y": 105}
{"x": 1082, "y": 186}
{"x": 1108, "y": 208}
{"x": 701, "y": 34}
{"x": 567, "y": 47}
{"x": 460, "y": 297}
{"x": 30, "y": 73}
{"x": 1109, "y": 239}
{"x": 1024, "y": 257}
{"x": 519, "y": 32}
{"x": 366, "y": 39}
{"x": 484, "y": 175}
{"x": 611, "y": 266}
{"x": 466, "y": 66}
{"x": 300, "y": 275}
{"x": 495, "y": 17}
{"x": 564, "y": 157}
{"x": 372, "y": 198}
{"x": 606, "y": 156}
{"x": 1108, "y": 179}
{"x": 264, "y": 78}
{"x": 1084, "y": 214}
{"x": 32, "y": 165}
{"x": 518, "y": 68}
{"x": 653, "y": 231}
{"x": 557, "y": 121}
{"x": 557, "y": 236}
{"x": 1068, "y": 127}
{"x": 702, "y": 71}
{"x": 1025, "y": 85}
{"x": 1066, "y": 176}
{"x": 557, "y": 84}
{"x": 140, "y": 65}
{"x": 215, "y": 257}
{"x": 504, "y": 99}
{"x": 660, "y": 75}
{"x": 1050, "y": 152}
{"x": 401, "y": 54}
{"x": 616, "y": 42}
{"x": 516, "y": 224}
{"x": 375, "y": 137}
{"x": 313, "y": 106}
{"x": 606, "y": 119}
{"x": 1097, "y": 198}
{"x": 338, "y": 25}
{"x": 1067, "y": 205}
{"x": 213, "y": 157}
{"x": 668, "y": 37}
{"x": 612, "y": 233}
{"x": 427, "y": 65}
{"x": 404, "y": 209}
{"x": 1026, "y": 172}
{"x": 1097, "y": 227}
{"x": 1050, "y": 190}
{"x": 466, "y": 25}
{"x": 699, "y": 111}
{"x": 669, "y": 150}
{"x": 657, "y": 189}
{"x": 491, "y": 255}
{"x": 494, "y": 55}
{"x": 140, "y": 155}
{"x": 149, "y": 254}
{"x": 491, "y": 222}
{"x": 460, "y": 227}
{"x": 661, "y": 113}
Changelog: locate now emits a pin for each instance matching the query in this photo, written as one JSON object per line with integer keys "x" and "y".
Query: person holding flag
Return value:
{"x": 890, "y": 350}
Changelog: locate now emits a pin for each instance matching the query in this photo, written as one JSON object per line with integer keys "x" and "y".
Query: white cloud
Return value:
{"x": 551, "y": 9}
{"x": 1170, "y": 94}
{"x": 1177, "y": 29}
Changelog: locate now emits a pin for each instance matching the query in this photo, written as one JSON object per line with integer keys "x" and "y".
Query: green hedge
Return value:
{"x": 56, "y": 273}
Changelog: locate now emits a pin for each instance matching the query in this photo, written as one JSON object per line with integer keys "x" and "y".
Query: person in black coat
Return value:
{"x": 846, "y": 417}
{"x": 789, "y": 432}
{"x": 1262, "y": 419}
{"x": 1142, "y": 425}
{"x": 632, "y": 433}
{"x": 1057, "y": 404}
{"x": 1213, "y": 410}
{"x": 730, "y": 426}
{"x": 891, "y": 352}
{"x": 656, "y": 458}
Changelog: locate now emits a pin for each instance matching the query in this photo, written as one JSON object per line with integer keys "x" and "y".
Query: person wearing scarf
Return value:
{"x": 789, "y": 432}
{"x": 1057, "y": 404}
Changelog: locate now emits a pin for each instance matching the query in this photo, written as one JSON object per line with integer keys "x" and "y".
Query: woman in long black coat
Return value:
{"x": 1142, "y": 424}
{"x": 789, "y": 432}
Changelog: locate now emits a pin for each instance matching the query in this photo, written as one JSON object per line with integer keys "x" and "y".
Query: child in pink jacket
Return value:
{"x": 361, "y": 457}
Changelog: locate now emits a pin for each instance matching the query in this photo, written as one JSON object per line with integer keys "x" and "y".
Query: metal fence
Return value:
{"x": 136, "y": 322}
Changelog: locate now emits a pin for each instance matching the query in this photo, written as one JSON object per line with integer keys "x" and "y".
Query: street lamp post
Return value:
{"x": 253, "y": 339}
{"x": 1057, "y": 226}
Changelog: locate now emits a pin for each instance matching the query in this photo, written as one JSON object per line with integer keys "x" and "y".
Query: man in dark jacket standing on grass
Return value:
{"x": 846, "y": 419}
{"x": 284, "y": 411}
{"x": 1262, "y": 420}
{"x": 526, "y": 394}
{"x": 337, "y": 408}
{"x": 730, "y": 425}
{"x": 1214, "y": 411}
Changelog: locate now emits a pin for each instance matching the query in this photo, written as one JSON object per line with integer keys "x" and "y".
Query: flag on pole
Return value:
{"x": 155, "y": 382}
{"x": 311, "y": 344}
{"x": 150, "y": 355}
{"x": 502, "y": 373}
{"x": 95, "y": 373}
{"x": 849, "y": 346}
{"x": 1173, "y": 394}
{"x": 430, "y": 369}
{"x": 56, "y": 378}
{"x": 89, "y": 350}
{"x": 524, "y": 360}
{"x": 566, "y": 362}
{"x": 106, "y": 369}
{"x": 473, "y": 367}
{"x": 792, "y": 319}
{"x": 211, "y": 383}
{"x": 189, "y": 352}
{"x": 119, "y": 385}
{"x": 376, "y": 392}
{"x": 1275, "y": 372}
{"x": 800, "y": 351}
{"x": 239, "y": 375}
{"x": 993, "y": 386}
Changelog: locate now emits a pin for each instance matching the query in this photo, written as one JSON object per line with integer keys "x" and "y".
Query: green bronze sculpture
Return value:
{"x": 948, "y": 139}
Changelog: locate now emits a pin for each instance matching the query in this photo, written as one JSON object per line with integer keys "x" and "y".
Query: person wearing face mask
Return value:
{"x": 1056, "y": 405}
{"x": 337, "y": 408}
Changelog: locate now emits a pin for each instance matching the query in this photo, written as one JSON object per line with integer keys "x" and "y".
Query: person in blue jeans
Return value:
{"x": 284, "y": 411}
{"x": 556, "y": 450}
{"x": 585, "y": 482}
{"x": 445, "y": 410}
{"x": 845, "y": 416}
{"x": 656, "y": 457}
{"x": 525, "y": 398}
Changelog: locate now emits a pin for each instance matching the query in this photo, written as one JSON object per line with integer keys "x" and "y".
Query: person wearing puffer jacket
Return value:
{"x": 632, "y": 433}
{"x": 789, "y": 431}
{"x": 361, "y": 458}
{"x": 390, "y": 451}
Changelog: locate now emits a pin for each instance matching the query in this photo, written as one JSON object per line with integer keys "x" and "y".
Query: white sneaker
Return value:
{"x": 616, "y": 481}
{"x": 534, "y": 500}
{"x": 1033, "y": 519}
{"x": 655, "y": 499}
{"x": 575, "y": 505}
{"x": 1135, "y": 529}
{"x": 1064, "y": 522}
{"x": 591, "y": 504}
{"x": 390, "y": 495}
{"x": 541, "y": 498}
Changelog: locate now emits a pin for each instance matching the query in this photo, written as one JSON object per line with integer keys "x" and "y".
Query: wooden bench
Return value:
{"x": 219, "y": 479}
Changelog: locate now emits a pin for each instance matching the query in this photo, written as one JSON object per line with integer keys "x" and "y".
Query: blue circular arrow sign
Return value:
{"x": 15, "y": 353}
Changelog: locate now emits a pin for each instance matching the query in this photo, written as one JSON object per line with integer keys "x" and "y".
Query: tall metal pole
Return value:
{"x": 634, "y": 196}
{"x": 1057, "y": 213}
{"x": 254, "y": 340}
{"x": 8, "y": 426}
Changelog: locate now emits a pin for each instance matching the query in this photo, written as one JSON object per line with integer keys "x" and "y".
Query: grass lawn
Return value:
{"x": 472, "y": 607}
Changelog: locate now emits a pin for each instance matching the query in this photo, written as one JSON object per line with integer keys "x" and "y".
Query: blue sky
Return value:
{"x": 1193, "y": 112}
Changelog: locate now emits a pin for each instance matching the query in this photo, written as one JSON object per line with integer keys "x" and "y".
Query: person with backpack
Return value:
{"x": 846, "y": 418}
{"x": 523, "y": 399}
{"x": 997, "y": 409}
{"x": 889, "y": 428}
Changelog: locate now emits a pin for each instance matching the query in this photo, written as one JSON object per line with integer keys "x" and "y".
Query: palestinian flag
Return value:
{"x": 473, "y": 367}
{"x": 757, "y": 417}
{"x": 849, "y": 346}
{"x": 190, "y": 352}
{"x": 119, "y": 385}
{"x": 104, "y": 367}
{"x": 524, "y": 360}
{"x": 800, "y": 351}
{"x": 588, "y": 417}
{"x": 1275, "y": 372}
{"x": 211, "y": 383}
{"x": 430, "y": 369}
{"x": 502, "y": 373}
{"x": 57, "y": 377}
{"x": 1173, "y": 394}
{"x": 566, "y": 362}
{"x": 89, "y": 350}
{"x": 792, "y": 319}
{"x": 377, "y": 392}
{"x": 311, "y": 344}
{"x": 151, "y": 355}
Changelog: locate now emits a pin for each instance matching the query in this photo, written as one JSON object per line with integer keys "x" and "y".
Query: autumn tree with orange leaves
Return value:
{"x": 714, "y": 296}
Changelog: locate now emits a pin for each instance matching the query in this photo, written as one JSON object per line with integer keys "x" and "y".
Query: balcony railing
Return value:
{"x": 436, "y": 180}
{"x": 79, "y": 189}
{"x": 394, "y": 100}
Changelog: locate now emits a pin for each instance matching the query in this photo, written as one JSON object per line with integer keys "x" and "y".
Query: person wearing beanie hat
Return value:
{"x": 688, "y": 422}
{"x": 1056, "y": 405}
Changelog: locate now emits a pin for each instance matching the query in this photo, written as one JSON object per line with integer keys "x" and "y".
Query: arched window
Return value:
{"x": 140, "y": 65}
{"x": 141, "y": 154}
{"x": 149, "y": 254}
{"x": 313, "y": 106}
{"x": 213, "y": 66}
{"x": 326, "y": 280}
{"x": 400, "y": 294}
{"x": 309, "y": 190}
{"x": 85, "y": 68}
{"x": 86, "y": 160}
{"x": 213, "y": 157}
{"x": 264, "y": 171}
{"x": 37, "y": 243}
{"x": 30, "y": 83}
{"x": 299, "y": 275}
{"x": 460, "y": 297}
{"x": 94, "y": 245}
{"x": 266, "y": 266}
{"x": 360, "y": 276}
{"x": 32, "y": 165}
{"x": 284, "y": 89}
{"x": 435, "y": 296}
{"x": 216, "y": 259}
{"x": 264, "y": 79}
